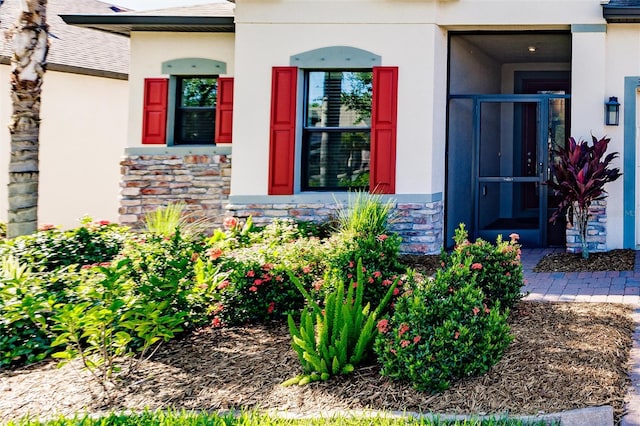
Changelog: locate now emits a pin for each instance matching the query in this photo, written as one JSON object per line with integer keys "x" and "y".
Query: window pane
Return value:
{"x": 336, "y": 160}
{"x": 198, "y": 92}
{"x": 195, "y": 110}
{"x": 195, "y": 125}
{"x": 339, "y": 99}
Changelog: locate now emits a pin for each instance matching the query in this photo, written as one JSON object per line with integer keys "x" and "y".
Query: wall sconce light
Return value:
{"x": 612, "y": 112}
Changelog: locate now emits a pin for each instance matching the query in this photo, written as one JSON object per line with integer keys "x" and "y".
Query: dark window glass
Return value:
{"x": 196, "y": 110}
{"x": 337, "y": 132}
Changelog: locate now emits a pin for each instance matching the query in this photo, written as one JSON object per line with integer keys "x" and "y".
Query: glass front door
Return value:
{"x": 512, "y": 138}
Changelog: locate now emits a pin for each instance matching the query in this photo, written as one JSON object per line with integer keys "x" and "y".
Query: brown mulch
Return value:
{"x": 613, "y": 260}
{"x": 564, "y": 356}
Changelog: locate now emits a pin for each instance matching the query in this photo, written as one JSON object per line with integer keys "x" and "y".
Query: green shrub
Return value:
{"x": 442, "y": 331}
{"x": 109, "y": 319}
{"x": 378, "y": 254}
{"x": 343, "y": 333}
{"x": 51, "y": 248}
{"x": 257, "y": 287}
{"x": 24, "y": 306}
{"x": 162, "y": 269}
{"x": 497, "y": 268}
{"x": 255, "y": 262}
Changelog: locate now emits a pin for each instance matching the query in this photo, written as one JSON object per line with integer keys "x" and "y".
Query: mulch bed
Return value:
{"x": 565, "y": 356}
{"x": 613, "y": 260}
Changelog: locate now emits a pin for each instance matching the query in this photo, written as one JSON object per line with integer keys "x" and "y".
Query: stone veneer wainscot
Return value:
{"x": 419, "y": 223}
{"x": 596, "y": 230}
{"x": 200, "y": 177}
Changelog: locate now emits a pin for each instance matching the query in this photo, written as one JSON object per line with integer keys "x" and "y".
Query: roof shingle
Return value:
{"x": 71, "y": 48}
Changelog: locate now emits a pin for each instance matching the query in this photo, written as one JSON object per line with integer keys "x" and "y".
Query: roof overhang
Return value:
{"x": 618, "y": 14}
{"x": 124, "y": 25}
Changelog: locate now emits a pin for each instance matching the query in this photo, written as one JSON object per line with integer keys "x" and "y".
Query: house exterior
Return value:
{"x": 84, "y": 115}
{"x": 449, "y": 108}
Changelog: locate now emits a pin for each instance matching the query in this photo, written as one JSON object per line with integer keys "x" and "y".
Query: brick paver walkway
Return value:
{"x": 609, "y": 286}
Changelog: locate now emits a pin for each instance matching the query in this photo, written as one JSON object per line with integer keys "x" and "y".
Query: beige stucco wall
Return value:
{"x": 621, "y": 58}
{"x": 82, "y": 138}
{"x": 412, "y": 36}
{"x": 150, "y": 49}
{"x": 421, "y": 87}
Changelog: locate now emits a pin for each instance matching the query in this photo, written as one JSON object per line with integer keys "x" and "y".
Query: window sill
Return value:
{"x": 179, "y": 150}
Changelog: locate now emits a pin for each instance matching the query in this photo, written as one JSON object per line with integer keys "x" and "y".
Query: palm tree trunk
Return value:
{"x": 28, "y": 63}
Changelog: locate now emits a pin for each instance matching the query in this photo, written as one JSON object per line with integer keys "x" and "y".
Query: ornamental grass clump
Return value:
{"x": 338, "y": 336}
{"x": 441, "y": 331}
{"x": 579, "y": 176}
{"x": 497, "y": 268}
{"x": 364, "y": 213}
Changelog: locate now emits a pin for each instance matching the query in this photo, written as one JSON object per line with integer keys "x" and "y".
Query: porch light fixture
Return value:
{"x": 612, "y": 112}
{"x": 532, "y": 49}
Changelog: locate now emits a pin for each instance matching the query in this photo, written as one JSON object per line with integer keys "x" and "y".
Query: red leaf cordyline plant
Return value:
{"x": 581, "y": 171}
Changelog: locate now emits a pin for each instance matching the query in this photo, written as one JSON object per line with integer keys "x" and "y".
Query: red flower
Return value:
{"x": 194, "y": 256}
{"x": 46, "y": 227}
{"x": 476, "y": 266}
{"x": 387, "y": 283}
{"x": 476, "y": 310}
{"x": 104, "y": 223}
{"x": 216, "y": 322}
{"x": 251, "y": 274}
{"x": 403, "y": 329}
{"x": 257, "y": 282}
{"x": 230, "y": 222}
{"x": 223, "y": 284}
{"x": 279, "y": 279}
{"x": 267, "y": 267}
{"x": 253, "y": 288}
{"x": 416, "y": 339}
{"x": 214, "y": 253}
{"x": 317, "y": 285}
{"x": 371, "y": 280}
{"x": 393, "y": 351}
{"x": 456, "y": 335}
{"x": 306, "y": 269}
{"x": 382, "y": 237}
{"x": 377, "y": 274}
{"x": 271, "y": 307}
{"x": 355, "y": 284}
{"x": 218, "y": 308}
{"x": 383, "y": 326}
{"x": 514, "y": 237}
{"x": 396, "y": 291}
{"x": 404, "y": 343}
{"x": 351, "y": 264}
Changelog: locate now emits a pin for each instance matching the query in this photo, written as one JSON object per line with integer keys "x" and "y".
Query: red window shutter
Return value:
{"x": 283, "y": 130}
{"x": 383, "y": 130}
{"x": 224, "y": 110}
{"x": 154, "y": 120}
